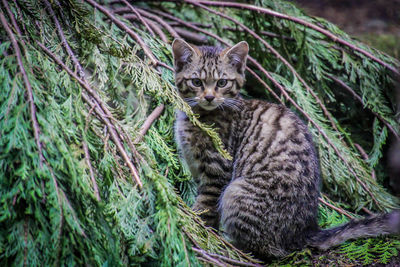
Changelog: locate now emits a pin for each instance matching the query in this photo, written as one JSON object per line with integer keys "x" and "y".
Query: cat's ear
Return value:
{"x": 183, "y": 53}
{"x": 237, "y": 56}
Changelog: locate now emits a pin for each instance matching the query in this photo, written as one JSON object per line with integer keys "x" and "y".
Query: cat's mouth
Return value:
{"x": 208, "y": 105}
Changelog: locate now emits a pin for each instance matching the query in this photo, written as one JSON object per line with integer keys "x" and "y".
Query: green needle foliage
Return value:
{"x": 80, "y": 185}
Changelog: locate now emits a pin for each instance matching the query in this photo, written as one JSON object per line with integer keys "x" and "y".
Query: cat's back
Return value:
{"x": 271, "y": 137}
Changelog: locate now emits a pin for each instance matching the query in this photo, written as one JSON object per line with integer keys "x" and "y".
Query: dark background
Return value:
{"x": 375, "y": 22}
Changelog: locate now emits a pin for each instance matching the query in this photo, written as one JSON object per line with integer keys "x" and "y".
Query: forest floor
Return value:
{"x": 376, "y": 23}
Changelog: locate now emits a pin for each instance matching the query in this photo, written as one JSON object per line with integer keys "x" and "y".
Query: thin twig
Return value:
{"x": 35, "y": 124}
{"x": 99, "y": 111}
{"x": 139, "y": 16}
{"x": 122, "y": 25}
{"x": 341, "y": 211}
{"x": 354, "y": 94}
{"x": 328, "y": 34}
{"x": 148, "y": 122}
{"x": 277, "y": 54}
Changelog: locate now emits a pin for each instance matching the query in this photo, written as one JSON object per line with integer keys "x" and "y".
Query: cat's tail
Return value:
{"x": 383, "y": 224}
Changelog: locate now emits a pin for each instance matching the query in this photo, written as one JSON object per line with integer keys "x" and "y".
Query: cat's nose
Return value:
{"x": 209, "y": 98}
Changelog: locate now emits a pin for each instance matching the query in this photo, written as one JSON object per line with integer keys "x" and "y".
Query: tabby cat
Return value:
{"x": 265, "y": 200}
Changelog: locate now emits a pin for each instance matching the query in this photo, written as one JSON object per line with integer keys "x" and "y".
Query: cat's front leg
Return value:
{"x": 209, "y": 192}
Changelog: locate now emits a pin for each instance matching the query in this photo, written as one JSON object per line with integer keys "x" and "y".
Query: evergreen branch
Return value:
{"x": 99, "y": 111}
{"x": 35, "y": 124}
{"x": 328, "y": 34}
{"x": 63, "y": 39}
{"x": 189, "y": 25}
{"x": 199, "y": 39}
{"x": 365, "y": 157}
{"x": 357, "y": 97}
{"x": 196, "y": 219}
{"x": 277, "y": 55}
{"x": 148, "y": 122}
{"x": 14, "y": 22}
{"x": 91, "y": 172}
{"x": 122, "y": 26}
{"x": 133, "y": 9}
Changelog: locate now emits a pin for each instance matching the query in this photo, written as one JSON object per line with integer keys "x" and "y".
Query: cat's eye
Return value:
{"x": 196, "y": 82}
{"x": 222, "y": 82}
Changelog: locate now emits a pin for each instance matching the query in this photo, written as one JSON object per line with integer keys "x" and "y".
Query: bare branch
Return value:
{"x": 133, "y": 9}
{"x": 149, "y": 121}
{"x": 341, "y": 211}
{"x": 160, "y": 21}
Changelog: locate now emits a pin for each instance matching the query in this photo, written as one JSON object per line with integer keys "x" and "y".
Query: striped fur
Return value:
{"x": 265, "y": 200}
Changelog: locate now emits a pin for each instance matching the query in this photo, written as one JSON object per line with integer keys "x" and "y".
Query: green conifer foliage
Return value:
{"x": 84, "y": 181}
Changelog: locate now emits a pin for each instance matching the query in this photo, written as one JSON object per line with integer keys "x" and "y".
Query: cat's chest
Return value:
{"x": 196, "y": 146}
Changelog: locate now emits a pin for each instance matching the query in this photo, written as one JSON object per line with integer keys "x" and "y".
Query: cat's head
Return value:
{"x": 207, "y": 76}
